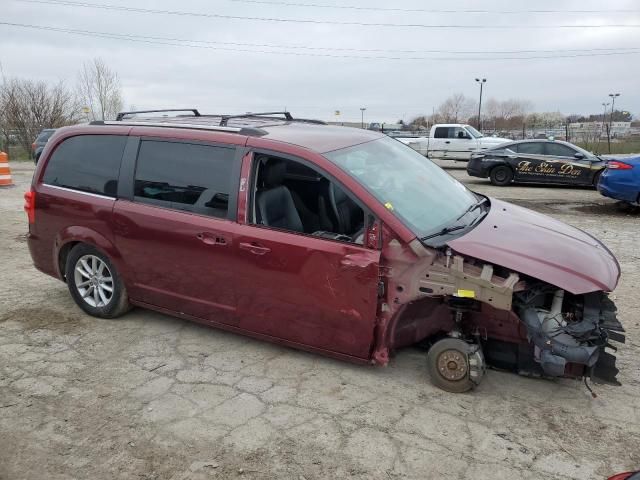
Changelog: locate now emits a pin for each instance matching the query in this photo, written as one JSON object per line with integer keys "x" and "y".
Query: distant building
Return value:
{"x": 618, "y": 129}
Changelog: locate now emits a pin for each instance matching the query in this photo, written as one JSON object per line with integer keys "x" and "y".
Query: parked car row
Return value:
{"x": 540, "y": 161}
{"x": 335, "y": 240}
{"x": 558, "y": 163}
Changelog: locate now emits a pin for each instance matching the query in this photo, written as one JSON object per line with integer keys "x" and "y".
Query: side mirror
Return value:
{"x": 579, "y": 155}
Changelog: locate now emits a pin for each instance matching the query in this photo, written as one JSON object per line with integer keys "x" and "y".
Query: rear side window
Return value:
{"x": 89, "y": 163}
{"x": 441, "y": 132}
{"x": 184, "y": 176}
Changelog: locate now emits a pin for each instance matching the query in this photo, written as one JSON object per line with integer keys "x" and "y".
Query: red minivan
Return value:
{"x": 329, "y": 239}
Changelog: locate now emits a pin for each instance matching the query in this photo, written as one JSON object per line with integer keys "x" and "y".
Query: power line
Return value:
{"x": 318, "y": 22}
{"x": 424, "y": 10}
{"x": 177, "y": 42}
{"x": 325, "y": 48}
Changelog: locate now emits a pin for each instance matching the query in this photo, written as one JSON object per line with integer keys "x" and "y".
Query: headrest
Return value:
{"x": 273, "y": 173}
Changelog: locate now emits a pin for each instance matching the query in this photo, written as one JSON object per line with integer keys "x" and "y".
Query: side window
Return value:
{"x": 184, "y": 176}
{"x": 289, "y": 195}
{"x": 89, "y": 163}
{"x": 559, "y": 150}
{"x": 531, "y": 148}
{"x": 457, "y": 132}
{"x": 441, "y": 132}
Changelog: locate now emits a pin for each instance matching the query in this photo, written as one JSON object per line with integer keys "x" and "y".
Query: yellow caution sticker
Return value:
{"x": 466, "y": 293}
{"x": 389, "y": 206}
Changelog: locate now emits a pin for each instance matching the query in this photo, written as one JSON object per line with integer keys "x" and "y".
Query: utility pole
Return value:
{"x": 362, "y": 109}
{"x": 613, "y": 104}
{"x": 602, "y": 127}
{"x": 481, "y": 82}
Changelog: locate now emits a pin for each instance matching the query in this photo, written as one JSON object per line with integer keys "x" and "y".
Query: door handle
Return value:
{"x": 254, "y": 248}
{"x": 211, "y": 238}
{"x": 447, "y": 141}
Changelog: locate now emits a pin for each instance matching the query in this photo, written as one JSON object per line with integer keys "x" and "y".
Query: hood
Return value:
{"x": 541, "y": 247}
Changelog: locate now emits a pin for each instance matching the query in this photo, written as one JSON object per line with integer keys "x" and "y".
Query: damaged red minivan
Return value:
{"x": 329, "y": 239}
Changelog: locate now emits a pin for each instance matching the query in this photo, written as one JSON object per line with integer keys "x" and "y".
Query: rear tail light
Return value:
{"x": 616, "y": 165}
{"x": 30, "y": 205}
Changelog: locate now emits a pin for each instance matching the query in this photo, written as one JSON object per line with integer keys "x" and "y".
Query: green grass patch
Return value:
{"x": 619, "y": 147}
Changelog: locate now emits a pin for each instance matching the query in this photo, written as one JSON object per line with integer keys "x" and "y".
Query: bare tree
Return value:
{"x": 456, "y": 108}
{"x": 99, "y": 90}
{"x": 26, "y": 107}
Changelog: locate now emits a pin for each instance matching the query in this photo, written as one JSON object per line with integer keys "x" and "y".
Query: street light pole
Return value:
{"x": 481, "y": 82}
{"x": 613, "y": 104}
{"x": 362, "y": 109}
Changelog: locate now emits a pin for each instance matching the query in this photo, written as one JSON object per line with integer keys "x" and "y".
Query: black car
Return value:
{"x": 39, "y": 143}
{"x": 537, "y": 161}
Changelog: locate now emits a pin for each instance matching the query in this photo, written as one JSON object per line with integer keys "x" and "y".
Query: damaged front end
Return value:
{"x": 470, "y": 311}
{"x": 570, "y": 331}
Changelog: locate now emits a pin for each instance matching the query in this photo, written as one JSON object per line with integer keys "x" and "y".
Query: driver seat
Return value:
{"x": 337, "y": 209}
{"x": 274, "y": 203}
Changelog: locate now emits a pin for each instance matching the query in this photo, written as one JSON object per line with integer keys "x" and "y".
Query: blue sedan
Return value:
{"x": 621, "y": 180}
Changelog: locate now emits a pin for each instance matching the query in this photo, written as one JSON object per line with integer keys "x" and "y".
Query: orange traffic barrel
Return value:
{"x": 5, "y": 171}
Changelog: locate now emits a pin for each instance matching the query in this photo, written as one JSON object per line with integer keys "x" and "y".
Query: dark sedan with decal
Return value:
{"x": 537, "y": 161}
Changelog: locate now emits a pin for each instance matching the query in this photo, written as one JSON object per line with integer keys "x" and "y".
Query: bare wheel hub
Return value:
{"x": 453, "y": 365}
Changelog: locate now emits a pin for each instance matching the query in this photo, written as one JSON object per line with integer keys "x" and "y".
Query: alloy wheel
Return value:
{"x": 93, "y": 280}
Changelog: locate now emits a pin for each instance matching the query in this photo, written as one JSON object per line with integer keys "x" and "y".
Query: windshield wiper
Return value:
{"x": 444, "y": 231}
{"x": 472, "y": 207}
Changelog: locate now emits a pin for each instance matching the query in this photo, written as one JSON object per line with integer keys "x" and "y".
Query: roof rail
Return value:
{"x": 249, "y": 131}
{"x": 121, "y": 115}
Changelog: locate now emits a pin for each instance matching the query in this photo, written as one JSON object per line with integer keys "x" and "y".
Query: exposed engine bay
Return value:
{"x": 486, "y": 313}
{"x": 567, "y": 328}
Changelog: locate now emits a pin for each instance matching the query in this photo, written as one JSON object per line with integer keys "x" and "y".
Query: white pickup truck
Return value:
{"x": 452, "y": 141}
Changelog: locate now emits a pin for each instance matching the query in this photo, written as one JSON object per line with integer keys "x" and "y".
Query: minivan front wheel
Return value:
{"x": 94, "y": 283}
{"x": 501, "y": 175}
{"x": 455, "y": 365}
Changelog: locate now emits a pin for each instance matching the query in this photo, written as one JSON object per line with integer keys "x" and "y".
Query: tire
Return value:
{"x": 596, "y": 179}
{"x": 90, "y": 274}
{"x": 452, "y": 355}
{"x": 501, "y": 175}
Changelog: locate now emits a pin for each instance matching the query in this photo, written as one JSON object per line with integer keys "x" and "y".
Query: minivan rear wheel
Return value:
{"x": 94, "y": 283}
{"x": 501, "y": 175}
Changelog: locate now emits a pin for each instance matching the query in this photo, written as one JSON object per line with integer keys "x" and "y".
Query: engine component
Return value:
{"x": 581, "y": 340}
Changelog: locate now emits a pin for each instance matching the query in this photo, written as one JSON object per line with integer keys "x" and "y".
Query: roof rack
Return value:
{"x": 195, "y": 112}
{"x": 249, "y": 123}
{"x": 225, "y": 118}
{"x": 269, "y": 116}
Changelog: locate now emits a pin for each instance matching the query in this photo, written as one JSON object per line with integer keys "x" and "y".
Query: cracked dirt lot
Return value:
{"x": 153, "y": 397}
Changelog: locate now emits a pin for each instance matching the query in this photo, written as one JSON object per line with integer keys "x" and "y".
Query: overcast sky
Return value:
{"x": 216, "y": 80}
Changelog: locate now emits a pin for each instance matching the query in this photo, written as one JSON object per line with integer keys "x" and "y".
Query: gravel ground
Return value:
{"x": 152, "y": 397}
